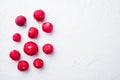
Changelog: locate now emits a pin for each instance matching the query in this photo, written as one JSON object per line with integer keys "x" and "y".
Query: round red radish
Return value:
{"x": 16, "y": 37}
{"x": 20, "y": 20}
{"x": 38, "y": 63}
{"x": 39, "y": 15}
{"x": 33, "y": 32}
{"x": 14, "y": 55}
{"x": 30, "y": 48}
{"x": 47, "y": 27}
{"x": 23, "y": 65}
{"x": 48, "y": 48}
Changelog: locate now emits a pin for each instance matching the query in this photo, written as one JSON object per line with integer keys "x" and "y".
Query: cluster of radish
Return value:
{"x": 31, "y": 48}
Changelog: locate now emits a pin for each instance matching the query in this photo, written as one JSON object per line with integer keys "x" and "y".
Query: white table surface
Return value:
{"x": 86, "y": 38}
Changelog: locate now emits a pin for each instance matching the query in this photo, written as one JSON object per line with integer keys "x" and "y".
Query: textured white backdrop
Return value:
{"x": 86, "y": 38}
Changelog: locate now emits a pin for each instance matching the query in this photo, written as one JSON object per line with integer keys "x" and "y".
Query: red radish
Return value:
{"x": 16, "y": 37}
{"x": 33, "y": 32}
{"x": 23, "y": 65}
{"x": 30, "y": 48}
{"x": 39, "y": 15}
{"x": 38, "y": 63}
{"x": 14, "y": 55}
{"x": 48, "y": 48}
{"x": 20, "y": 20}
{"x": 47, "y": 27}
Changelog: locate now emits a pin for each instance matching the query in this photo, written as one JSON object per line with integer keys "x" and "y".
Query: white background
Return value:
{"x": 86, "y": 38}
